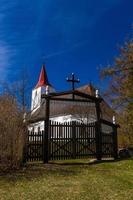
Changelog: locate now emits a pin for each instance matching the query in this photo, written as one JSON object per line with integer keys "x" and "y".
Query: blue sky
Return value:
{"x": 69, "y": 36}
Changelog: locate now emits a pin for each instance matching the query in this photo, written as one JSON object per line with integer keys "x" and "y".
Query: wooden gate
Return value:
{"x": 73, "y": 140}
{"x": 35, "y": 146}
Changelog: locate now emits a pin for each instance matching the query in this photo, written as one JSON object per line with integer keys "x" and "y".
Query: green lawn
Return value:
{"x": 104, "y": 181}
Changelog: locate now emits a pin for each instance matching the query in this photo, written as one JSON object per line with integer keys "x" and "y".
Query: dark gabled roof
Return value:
{"x": 85, "y": 93}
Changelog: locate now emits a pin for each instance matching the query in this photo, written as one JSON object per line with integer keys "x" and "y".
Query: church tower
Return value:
{"x": 40, "y": 88}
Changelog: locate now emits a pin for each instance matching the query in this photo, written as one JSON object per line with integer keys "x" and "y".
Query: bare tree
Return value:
{"x": 19, "y": 89}
{"x": 12, "y": 132}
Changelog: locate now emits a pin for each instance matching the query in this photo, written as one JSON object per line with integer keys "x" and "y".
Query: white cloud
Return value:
{"x": 5, "y": 49}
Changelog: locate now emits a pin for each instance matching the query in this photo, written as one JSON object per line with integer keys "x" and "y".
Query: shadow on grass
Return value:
{"x": 87, "y": 162}
{"x": 55, "y": 169}
{"x": 33, "y": 171}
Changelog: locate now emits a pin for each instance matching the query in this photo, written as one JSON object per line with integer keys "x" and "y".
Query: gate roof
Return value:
{"x": 84, "y": 94}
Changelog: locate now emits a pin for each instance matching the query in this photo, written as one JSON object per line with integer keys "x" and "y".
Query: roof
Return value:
{"x": 87, "y": 89}
{"x": 64, "y": 108}
{"x": 43, "y": 78}
{"x": 85, "y": 93}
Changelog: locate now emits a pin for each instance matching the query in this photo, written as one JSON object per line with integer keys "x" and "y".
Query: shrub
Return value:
{"x": 12, "y": 133}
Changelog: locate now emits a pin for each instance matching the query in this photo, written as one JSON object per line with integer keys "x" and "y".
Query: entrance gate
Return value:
{"x": 73, "y": 140}
{"x": 84, "y": 136}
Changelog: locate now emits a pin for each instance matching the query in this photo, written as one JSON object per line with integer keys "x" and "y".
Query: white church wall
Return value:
{"x": 36, "y": 127}
{"x": 39, "y": 126}
{"x": 36, "y": 99}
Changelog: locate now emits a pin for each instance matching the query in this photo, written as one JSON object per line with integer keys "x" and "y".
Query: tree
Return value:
{"x": 12, "y": 132}
{"x": 19, "y": 89}
{"x": 120, "y": 90}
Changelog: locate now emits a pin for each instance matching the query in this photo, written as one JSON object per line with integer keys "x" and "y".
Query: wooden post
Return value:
{"x": 46, "y": 132}
{"x": 25, "y": 152}
{"x": 74, "y": 139}
{"x": 98, "y": 133}
{"x": 25, "y": 148}
{"x": 115, "y": 142}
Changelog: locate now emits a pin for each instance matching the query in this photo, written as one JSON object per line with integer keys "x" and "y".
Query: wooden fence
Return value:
{"x": 73, "y": 140}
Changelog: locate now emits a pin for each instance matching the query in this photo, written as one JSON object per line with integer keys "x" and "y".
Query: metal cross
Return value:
{"x": 73, "y": 81}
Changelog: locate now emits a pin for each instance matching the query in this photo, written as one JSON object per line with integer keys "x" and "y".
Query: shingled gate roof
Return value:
{"x": 86, "y": 90}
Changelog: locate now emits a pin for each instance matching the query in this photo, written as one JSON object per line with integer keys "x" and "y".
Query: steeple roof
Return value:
{"x": 43, "y": 78}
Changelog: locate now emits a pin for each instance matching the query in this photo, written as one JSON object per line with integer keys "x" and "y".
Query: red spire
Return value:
{"x": 43, "y": 79}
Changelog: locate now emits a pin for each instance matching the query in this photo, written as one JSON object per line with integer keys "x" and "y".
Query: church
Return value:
{"x": 71, "y": 105}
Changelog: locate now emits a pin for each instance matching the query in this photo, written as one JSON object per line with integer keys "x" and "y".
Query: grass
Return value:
{"x": 70, "y": 180}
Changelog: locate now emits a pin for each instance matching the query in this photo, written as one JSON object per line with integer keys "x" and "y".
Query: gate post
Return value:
{"x": 115, "y": 142}
{"x": 74, "y": 139}
{"x": 98, "y": 133}
{"x": 98, "y": 140}
{"x": 46, "y": 132}
{"x": 25, "y": 147}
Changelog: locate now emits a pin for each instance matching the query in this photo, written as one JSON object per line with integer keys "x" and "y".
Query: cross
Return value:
{"x": 73, "y": 81}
